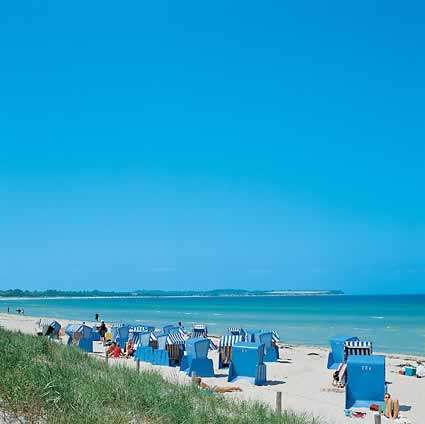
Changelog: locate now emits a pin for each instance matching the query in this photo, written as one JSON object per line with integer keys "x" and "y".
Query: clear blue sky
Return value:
{"x": 198, "y": 145}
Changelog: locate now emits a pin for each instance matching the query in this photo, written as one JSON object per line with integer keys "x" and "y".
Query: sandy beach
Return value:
{"x": 300, "y": 375}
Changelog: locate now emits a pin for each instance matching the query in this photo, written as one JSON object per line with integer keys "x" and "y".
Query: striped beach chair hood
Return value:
{"x": 234, "y": 330}
{"x": 358, "y": 347}
{"x": 275, "y": 336}
{"x": 230, "y": 339}
{"x": 177, "y": 338}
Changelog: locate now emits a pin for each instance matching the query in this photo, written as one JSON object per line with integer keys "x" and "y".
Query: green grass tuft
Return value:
{"x": 42, "y": 381}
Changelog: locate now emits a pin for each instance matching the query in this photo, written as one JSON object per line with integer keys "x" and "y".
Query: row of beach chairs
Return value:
{"x": 244, "y": 351}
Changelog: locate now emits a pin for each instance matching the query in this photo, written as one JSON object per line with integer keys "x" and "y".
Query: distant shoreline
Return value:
{"x": 53, "y": 294}
{"x": 169, "y": 296}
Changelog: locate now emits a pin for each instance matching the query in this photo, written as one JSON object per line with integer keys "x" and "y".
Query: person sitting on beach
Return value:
{"x": 114, "y": 351}
{"x": 392, "y": 407}
{"x": 110, "y": 348}
{"x": 129, "y": 349}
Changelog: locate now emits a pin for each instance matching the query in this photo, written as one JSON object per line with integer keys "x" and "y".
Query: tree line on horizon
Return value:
{"x": 96, "y": 293}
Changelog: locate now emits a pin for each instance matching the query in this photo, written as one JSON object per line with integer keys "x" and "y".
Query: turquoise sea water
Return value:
{"x": 393, "y": 323}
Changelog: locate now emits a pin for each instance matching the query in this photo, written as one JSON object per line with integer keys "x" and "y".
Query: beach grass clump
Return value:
{"x": 46, "y": 382}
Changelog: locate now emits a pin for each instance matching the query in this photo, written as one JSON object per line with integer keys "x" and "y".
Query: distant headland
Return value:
{"x": 17, "y": 293}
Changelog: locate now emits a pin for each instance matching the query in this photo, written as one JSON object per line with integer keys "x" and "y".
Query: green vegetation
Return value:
{"x": 43, "y": 381}
{"x": 160, "y": 293}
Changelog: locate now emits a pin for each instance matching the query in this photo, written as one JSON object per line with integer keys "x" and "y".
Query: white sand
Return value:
{"x": 303, "y": 379}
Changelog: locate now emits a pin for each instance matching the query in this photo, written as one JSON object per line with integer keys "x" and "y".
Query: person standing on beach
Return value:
{"x": 96, "y": 317}
{"x": 8, "y": 310}
{"x": 103, "y": 329}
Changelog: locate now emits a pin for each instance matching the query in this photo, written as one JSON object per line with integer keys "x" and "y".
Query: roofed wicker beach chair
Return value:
{"x": 199, "y": 330}
{"x": 81, "y": 335}
{"x": 365, "y": 381}
{"x": 120, "y": 333}
{"x": 49, "y": 327}
{"x": 225, "y": 348}
{"x": 144, "y": 343}
{"x": 170, "y": 349}
{"x": 247, "y": 362}
{"x": 336, "y": 355}
{"x": 195, "y": 359}
{"x": 271, "y": 351}
{"x": 267, "y": 337}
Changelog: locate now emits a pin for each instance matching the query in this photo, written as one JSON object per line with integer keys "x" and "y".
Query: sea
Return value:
{"x": 394, "y": 324}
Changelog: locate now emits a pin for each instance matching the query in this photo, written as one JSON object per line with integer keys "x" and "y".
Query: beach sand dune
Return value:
{"x": 300, "y": 375}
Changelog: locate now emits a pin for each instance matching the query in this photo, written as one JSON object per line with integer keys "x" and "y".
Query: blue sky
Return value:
{"x": 206, "y": 145}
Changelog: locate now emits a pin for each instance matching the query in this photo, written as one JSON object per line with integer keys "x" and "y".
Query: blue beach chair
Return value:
{"x": 121, "y": 333}
{"x": 199, "y": 330}
{"x": 143, "y": 346}
{"x": 271, "y": 352}
{"x": 82, "y": 335}
{"x": 49, "y": 328}
{"x": 195, "y": 359}
{"x": 365, "y": 381}
{"x": 248, "y": 363}
{"x": 170, "y": 349}
{"x": 336, "y": 355}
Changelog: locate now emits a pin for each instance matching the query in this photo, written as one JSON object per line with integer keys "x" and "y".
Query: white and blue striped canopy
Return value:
{"x": 358, "y": 347}
{"x": 199, "y": 326}
{"x": 140, "y": 328}
{"x": 176, "y": 338}
{"x": 230, "y": 339}
{"x": 275, "y": 336}
{"x": 199, "y": 330}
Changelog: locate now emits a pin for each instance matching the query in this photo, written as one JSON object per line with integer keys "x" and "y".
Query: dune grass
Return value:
{"x": 42, "y": 381}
